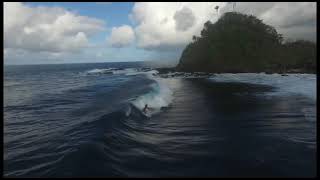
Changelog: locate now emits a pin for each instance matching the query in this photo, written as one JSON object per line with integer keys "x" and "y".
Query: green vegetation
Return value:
{"x": 242, "y": 43}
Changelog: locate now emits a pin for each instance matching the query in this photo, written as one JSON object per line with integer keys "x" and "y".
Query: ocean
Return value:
{"x": 86, "y": 120}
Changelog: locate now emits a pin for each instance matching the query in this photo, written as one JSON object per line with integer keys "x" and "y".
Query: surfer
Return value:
{"x": 145, "y": 108}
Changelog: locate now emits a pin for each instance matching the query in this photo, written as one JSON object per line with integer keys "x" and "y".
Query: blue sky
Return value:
{"x": 76, "y": 32}
{"x": 114, "y": 14}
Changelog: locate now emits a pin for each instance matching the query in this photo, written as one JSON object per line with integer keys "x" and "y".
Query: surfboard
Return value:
{"x": 149, "y": 112}
{"x": 148, "y": 115}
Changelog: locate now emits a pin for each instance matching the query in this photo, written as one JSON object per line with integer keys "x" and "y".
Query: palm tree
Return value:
{"x": 217, "y": 9}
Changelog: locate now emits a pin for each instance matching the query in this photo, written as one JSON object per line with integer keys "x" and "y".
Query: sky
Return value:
{"x": 78, "y": 32}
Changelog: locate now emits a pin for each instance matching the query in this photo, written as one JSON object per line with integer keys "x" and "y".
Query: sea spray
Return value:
{"x": 159, "y": 96}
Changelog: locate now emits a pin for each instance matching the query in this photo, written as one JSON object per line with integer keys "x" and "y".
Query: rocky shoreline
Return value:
{"x": 173, "y": 72}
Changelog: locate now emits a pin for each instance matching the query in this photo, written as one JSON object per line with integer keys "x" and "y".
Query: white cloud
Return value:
{"x": 286, "y": 14}
{"x": 296, "y": 20}
{"x": 184, "y": 19}
{"x": 121, "y": 36}
{"x": 254, "y": 8}
{"x": 48, "y": 29}
{"x": 160, "y": 25}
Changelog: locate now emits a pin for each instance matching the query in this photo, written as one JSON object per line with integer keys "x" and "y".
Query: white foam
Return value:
{"x": 186, "y": 75}
{"x": 152, "y": 72}
{"x": 100, "y": 71}
{"x": 304, "y": 84}
{"x": 128, "y": 111}
{"x": 127, "y": 71}
{"x": 160, "y": 96}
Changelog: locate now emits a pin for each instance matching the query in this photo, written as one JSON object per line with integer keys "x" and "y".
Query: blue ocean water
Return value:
{"x": 86, "y": 120}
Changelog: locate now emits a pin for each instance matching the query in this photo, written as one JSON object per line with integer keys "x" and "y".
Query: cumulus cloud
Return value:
{"x": 184, "y": 19}
{"x": 46, "y": 29}
{"x": 121, "y": 36}
{"x": 170, "y": 25}
{"x": 287, "y": 14}
{"x": 296, "y": 20}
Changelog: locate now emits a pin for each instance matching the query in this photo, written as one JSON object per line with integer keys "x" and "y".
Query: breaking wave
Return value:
{"x": 160, "y": 96}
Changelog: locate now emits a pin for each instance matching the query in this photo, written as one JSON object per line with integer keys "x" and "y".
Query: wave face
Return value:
{"x": 86, "y": 120}
{"x": 158, "y": 97}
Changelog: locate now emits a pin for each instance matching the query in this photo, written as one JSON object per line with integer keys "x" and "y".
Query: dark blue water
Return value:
{"x": 74, "y": 121}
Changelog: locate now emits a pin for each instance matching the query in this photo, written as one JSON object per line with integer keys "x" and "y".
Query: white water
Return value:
{"x": 127, "y": 71}
{"x": 139, "y": 72}
{"x": 100, "y": 71}
{"x": 302, "y": 84}
{"x": 160, "y": 96}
